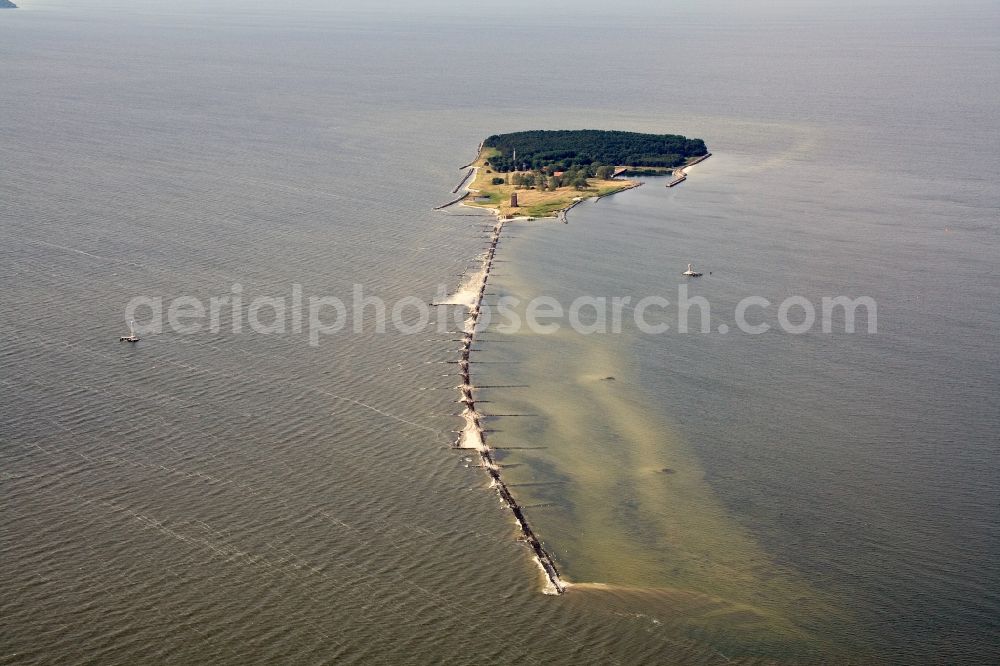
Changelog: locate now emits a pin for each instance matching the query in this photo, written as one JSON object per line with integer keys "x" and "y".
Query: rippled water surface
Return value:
{"x": 243, "y": 498}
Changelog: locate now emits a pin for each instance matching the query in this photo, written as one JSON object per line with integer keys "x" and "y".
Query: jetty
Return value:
{"x": 474, "y": 435}
{"x": 680, "y": 174}
{"x": 452, "y": 202}
{"x": 468, "y": 174}
{"x": 479, "y": 151}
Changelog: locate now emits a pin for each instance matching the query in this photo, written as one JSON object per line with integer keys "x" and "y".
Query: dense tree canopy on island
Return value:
{"x": 567, "y": 149}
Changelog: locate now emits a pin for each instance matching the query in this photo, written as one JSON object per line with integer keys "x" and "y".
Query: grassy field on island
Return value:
{"x": 532, "y": 201}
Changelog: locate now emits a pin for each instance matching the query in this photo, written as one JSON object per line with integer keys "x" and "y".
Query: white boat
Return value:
{"x": 131, "y": 337}
{"x": 690, "y": 272}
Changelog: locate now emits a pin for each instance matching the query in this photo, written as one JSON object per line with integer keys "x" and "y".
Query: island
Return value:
{"x": 543, "y": 173}
{"x": 540, "y": 174}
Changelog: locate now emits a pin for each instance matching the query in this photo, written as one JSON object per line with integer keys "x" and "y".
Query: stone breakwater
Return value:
{"x": 680, "y": 175}
{"x": 473, "y": 435}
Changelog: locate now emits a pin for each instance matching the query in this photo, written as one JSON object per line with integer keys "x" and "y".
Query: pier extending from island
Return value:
{"x": 680, "y": 174}
{"x": 468, "y": 175}
{"x": 474, "y": 435}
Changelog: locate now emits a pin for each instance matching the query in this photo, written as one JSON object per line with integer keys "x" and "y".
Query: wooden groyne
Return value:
{"x": 474, "y": 435}
{"x": 681, "y": 173}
